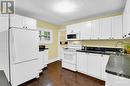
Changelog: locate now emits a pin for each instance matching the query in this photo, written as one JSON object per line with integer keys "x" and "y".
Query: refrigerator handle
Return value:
{"x": 13, "y": 46}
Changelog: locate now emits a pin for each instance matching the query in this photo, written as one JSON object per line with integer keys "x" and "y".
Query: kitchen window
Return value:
{"x": 45, "y": 36}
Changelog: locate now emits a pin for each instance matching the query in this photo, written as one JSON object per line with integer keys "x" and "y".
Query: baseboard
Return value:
{"x": 53, "y": 60}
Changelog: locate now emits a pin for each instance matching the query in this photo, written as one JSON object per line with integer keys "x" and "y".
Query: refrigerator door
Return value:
{"x": 25, "y": 44}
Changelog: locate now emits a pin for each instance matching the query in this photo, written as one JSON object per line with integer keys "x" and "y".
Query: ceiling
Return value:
{"x": 43, "y": 9}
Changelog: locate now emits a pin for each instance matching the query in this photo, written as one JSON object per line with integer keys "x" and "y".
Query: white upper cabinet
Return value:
{"x": 30, "y": 23}
{"x": 17, "y": 21}
{"x": 95, "y": 29}
{"x": 22, "y": 22}
{"x": 117, "y": 27}
{"x": 105, "y": 28}
{"x": 126, "y": 20}
{"x": 85, "y": 32}
{"x": 73, "y": 29}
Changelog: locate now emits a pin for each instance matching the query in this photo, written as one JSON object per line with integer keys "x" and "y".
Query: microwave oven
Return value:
{"x": 72, "y": 36}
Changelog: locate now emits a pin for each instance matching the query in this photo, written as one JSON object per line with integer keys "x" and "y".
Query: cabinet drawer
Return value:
{"x": 69, "y": 66}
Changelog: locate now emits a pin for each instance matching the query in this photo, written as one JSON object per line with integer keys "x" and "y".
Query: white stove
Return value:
{"x": 69, "y": 57}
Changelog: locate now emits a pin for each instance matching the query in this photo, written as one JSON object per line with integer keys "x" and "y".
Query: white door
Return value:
{"x": 117, "y": 28}
{"x": 82, "y": 62}
{"x": 95, "y": 29}
{"x": 94, "y": 65}
{"x": 25, "y": 44}
{"x": 105, "y": 28}
{"x": 104, "y": 62}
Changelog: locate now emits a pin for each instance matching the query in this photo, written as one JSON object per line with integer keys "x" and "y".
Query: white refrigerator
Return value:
{"x": 19, "y": 50}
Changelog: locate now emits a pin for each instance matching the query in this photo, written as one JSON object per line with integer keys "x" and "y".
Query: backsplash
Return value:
{"x": 106, "y": 43}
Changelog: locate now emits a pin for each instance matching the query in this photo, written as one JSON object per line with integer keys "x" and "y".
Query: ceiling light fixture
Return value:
{"x": 64, "y": 7}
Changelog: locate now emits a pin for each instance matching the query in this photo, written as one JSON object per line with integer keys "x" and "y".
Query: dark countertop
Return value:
{"x": 3, "y": 79}
{"x": 43, "y": 49}
{"x": 119, "y": 65}
{"x": 97, "y": 52}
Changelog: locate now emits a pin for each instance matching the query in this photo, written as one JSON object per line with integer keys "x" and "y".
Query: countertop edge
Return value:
{"x": 117, "y": 74}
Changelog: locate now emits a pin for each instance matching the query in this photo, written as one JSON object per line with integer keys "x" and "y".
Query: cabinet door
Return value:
{"x": 70, "y": 29}
{"x": 45, "y": 57}
{"x": 17, "y": 21}
{"x": 73, "y": 29}
{"x": 126, "y": 20}
{"x": 29, "y": 23}
{"x": 86, "y": 31}
{"x": 117, "y": 30}
{"x": 82, "y": 62}
{"x": 105, "y": 28}
{"x": 125, "y": 23}
{"x": 41, "y": 60}
{"x": 95, "y": 29}
{"x": 94, "y": 65}
{"x": 104, "y": 63}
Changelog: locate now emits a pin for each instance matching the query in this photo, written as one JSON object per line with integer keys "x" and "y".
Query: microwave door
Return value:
{"x": 71, "y": 36}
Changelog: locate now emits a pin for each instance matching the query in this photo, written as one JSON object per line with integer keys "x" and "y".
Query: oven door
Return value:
{"x": 69, "y": 57}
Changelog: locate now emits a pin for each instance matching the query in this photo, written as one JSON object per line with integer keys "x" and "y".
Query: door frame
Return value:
{"x": 61, "y": 30}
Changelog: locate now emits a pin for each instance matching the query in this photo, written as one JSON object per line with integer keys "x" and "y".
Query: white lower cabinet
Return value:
{"x": 113, "y": 80}
{"x": 43, "y": 59}
{"x": 81, "y": 62}
{"x": 104, "y": 63}
{"x": 45, "y": 55}
{"x": 92, "y": 64}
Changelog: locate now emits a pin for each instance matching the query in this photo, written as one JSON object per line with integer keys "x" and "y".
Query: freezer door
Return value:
{"x": 25, "y": 45}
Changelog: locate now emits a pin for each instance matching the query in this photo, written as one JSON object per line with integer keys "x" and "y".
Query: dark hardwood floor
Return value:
{"x": 54, "y": 75}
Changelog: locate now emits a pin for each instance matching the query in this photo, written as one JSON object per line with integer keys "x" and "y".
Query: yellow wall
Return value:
{"x": 63, "y": 36}
{"x": 53, "y": 48}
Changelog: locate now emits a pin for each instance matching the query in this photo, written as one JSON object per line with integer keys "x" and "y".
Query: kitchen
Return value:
{"x": 66, "y": 43}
